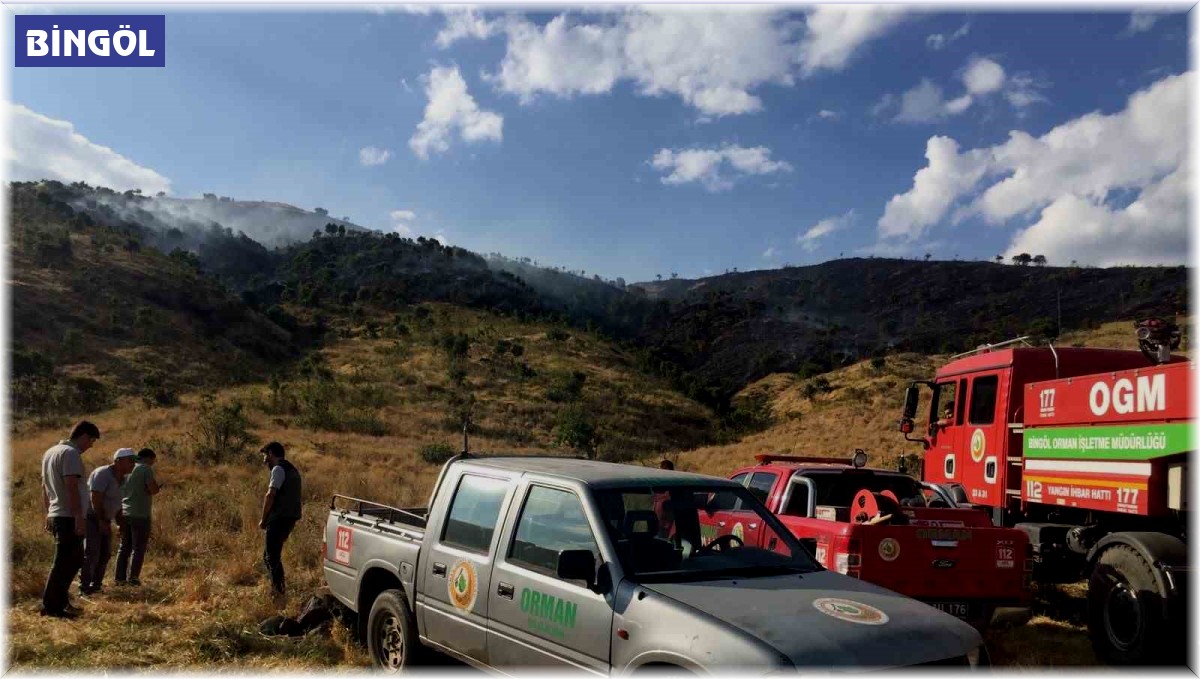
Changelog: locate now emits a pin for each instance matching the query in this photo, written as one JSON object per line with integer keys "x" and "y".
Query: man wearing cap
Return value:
{"x": 62, "y": 483}
{"x": 103, "y": 507}
{"x": 136, "y": 494}
{"x": 281, "y": 510}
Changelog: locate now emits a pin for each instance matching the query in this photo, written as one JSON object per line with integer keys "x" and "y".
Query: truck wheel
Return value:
{"x": 1126, "y": 613}
{"x": 392, "y": 632}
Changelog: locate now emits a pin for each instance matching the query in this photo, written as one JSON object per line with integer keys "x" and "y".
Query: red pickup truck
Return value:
{"x": 888, "y": 528}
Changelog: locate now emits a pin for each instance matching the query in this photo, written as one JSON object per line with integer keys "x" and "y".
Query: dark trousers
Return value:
{"x": 97, "y": 549}
{"x": 135, "y": 535}
{"x": 278, "y": 531}
{"x": 68, "y": 558}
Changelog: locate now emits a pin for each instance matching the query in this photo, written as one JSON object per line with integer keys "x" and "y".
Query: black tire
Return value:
{"x": 392, "y": 638}
{"x": 1127, "y": 617}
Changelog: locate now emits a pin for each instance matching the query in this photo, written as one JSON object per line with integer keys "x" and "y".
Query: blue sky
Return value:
{"x": 609, "y": 142}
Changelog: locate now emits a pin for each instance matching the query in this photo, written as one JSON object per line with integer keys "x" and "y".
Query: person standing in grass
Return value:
{"x": 62, "y": 496}
{"x": 280, "y": 511}
{"x": 104, "y": 506}
{"x": 137, "y": 491}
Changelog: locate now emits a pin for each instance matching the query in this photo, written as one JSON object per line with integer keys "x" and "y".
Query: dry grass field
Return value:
{"x": 204, "y": 592}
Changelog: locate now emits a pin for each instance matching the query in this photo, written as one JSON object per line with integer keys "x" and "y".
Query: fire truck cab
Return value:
{"x": 1085, "y": 450}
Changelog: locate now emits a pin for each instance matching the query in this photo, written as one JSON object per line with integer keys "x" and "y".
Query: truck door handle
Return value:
{"x": 439, "y": 569}
{"x": 505, "y": 590}
{"x": 721, "y": 524}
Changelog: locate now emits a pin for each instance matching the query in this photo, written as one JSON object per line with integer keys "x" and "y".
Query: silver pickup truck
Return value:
{"x": 536, "y": 561}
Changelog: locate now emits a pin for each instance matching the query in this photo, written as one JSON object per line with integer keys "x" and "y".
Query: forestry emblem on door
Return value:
{"x": 978, "y": 445}
{"x": 462, "y": 586}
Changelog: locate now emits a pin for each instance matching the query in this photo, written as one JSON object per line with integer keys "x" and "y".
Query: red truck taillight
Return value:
{"x": 850, "y": 561}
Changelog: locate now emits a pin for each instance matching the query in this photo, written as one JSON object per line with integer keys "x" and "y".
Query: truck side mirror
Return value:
{"x": 577, "y": 564}
{"x": 911, "y": 396}
{"x": 906, "y": 426}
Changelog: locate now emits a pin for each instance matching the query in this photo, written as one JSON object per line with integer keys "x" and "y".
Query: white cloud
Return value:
{"x": 403, "y": 222}
{"x": 836, "y": 32}
{"x": 826, "y": 114}
{"x": 1022, "y": 91}
{"x": 1151, "y": 230}
{"x": 923, "y": 103}
{"x": 1142, "y": 20}
{"x": 712, "y": 60}
{"x": 983, "y": 76}
{"x": 935, "y": 188}
{"x": 369, "y": 155}
{"x": 563, "y": 58}
{"x": 452, "y": 109}
{"x": 46, "y": 148}
{"x": 938, "y": 41}
{"x": 811, "y": 238}
{"x": 708, "y": 166}
{"x": 770, "y": 252}
{"x": 1066, "y": 181}
{"x": 465, "y": 22}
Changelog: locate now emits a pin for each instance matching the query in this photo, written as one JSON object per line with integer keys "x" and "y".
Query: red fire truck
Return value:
{"x": 887, "y": 528}
{"x": 1086, "y": 450}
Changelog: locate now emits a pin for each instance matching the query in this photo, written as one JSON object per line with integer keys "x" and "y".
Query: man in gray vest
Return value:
{"x": 104, "y": 506}
{"x": 280, "y": 511}
{"x": 62, "y": 495}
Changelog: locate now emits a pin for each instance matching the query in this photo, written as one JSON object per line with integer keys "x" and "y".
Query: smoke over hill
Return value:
{"x": 196, "y": 220}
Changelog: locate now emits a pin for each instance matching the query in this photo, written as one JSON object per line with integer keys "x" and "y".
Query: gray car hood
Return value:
{"x": 781, "y": 612}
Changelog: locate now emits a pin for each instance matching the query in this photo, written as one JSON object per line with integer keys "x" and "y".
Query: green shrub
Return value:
{"x": 575, "y": 430}
{"x": 157, "y": 390}
{"x": 558, "y": 335}
{"x": 330, "y": 406}
{"x": 222, "y": 433}
{"x": 567, "y": 388}
{"x": 751, "y": 413}
{"x": 437, "y": 453}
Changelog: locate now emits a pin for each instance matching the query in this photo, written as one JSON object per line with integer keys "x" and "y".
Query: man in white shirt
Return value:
{"x": 62, "y": 482}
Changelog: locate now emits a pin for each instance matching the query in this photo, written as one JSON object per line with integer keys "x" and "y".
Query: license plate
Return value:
{"x": 956, "y": 608}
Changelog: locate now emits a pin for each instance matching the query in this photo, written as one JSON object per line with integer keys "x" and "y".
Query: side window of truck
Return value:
{"x": 723, "y": 502}
{"x": 761, "y": 484}
{"x": 983, "y": 399}
{"x": 552, "y": 520}
{"x": 474, "y": 512}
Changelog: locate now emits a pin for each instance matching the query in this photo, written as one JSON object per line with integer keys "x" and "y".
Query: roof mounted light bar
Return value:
{"x": 859, "y": 459}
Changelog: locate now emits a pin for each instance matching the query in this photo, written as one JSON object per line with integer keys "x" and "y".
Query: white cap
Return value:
{"x": 123, "y": 453}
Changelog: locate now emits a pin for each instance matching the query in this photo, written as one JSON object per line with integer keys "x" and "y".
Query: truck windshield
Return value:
{"x": 677, "y": 533}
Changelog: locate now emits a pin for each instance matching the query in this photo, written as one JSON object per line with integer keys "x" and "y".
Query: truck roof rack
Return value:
{"x": 984, "y": 348}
